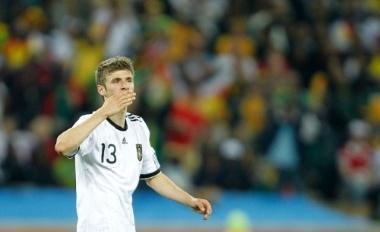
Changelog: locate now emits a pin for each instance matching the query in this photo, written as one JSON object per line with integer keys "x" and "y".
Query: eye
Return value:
{"x": 116, "y": 80}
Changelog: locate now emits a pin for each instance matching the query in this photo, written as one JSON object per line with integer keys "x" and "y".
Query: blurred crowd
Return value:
{"x": 269, "y": 95}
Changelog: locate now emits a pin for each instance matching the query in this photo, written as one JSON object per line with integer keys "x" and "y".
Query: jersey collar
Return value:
{"x": 117, "y": 126}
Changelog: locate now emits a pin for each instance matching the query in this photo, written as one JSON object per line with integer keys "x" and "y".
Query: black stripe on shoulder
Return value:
{"x": 150, "y": 175}
{"x": 132, "y": 116}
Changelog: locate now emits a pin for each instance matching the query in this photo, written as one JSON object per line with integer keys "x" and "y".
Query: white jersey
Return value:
{"x": 108, "y": 166}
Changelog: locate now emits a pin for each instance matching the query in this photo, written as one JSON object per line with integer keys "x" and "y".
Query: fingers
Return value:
{"x": 203, "y": 207}
{"x": 208, "y": 210}
{"x": 126, "y": 98}
{"x": 118, "y": 102}
{"x": 126, "y": 94}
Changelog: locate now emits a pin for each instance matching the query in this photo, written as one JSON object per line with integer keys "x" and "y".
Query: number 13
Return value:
{"x": 112, "y": 153}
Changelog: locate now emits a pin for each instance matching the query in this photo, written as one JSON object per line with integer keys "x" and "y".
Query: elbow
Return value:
{"x": 61, "y": 148}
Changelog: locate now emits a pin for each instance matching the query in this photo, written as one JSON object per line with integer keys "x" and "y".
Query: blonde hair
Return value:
{"x": 111, "y": 65}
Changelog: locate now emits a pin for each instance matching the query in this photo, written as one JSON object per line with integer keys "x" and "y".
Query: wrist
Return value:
{"x": 100, "y": 113}
{"x": 191, "y": 201}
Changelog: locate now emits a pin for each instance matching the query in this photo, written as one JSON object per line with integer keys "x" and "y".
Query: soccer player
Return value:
{"x": 112, "y": 152}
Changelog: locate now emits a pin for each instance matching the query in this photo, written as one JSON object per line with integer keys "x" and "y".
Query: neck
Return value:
{"x": 119, "y": 119}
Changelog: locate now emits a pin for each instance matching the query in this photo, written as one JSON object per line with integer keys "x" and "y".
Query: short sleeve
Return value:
{"x": 86, "y": 146}
{"x": 150, "y": 166}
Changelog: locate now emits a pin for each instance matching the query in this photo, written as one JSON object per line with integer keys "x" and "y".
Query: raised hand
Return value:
{"x": 118, "y": 102}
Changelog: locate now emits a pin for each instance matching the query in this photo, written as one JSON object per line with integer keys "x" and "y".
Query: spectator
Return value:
{"x": 354, "y": 160}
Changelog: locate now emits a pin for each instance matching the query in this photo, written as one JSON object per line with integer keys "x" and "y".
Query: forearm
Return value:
{"x": 167, "y": 188}
{"x": 69, "y": 140}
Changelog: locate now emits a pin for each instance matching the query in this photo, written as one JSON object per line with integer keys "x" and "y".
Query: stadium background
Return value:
{"x": 269, "y": 108}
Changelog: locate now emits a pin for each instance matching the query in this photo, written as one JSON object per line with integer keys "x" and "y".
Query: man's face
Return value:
{"x": 117, "y": 82}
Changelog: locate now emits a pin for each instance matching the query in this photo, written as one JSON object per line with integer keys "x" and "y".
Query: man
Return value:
{"x": 112, "y": 152}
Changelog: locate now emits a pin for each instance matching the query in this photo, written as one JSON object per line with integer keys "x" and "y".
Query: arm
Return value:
{"x": 70, "y": 140}
{"x": 167, "y": 188}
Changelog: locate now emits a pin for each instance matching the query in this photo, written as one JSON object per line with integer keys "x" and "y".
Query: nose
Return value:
{"x": 124, "y": 85}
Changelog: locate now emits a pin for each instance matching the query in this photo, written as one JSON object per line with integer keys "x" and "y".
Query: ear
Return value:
{"x": 101, "y": 90}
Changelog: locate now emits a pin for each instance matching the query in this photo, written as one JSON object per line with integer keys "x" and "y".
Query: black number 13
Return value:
{"x": 112, "y": 157}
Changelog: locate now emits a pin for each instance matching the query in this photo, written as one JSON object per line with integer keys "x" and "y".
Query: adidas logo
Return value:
{"x": 124, "y": 141}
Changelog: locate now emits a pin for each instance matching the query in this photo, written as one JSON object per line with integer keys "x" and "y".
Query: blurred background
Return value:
{"x": 269, "y": 108}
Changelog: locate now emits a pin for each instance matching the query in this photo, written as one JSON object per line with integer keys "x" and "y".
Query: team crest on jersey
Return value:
{"x": 139, "y": 151}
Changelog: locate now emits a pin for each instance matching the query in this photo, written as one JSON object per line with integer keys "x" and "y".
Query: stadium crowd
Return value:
{"x": 270, "y": 95}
